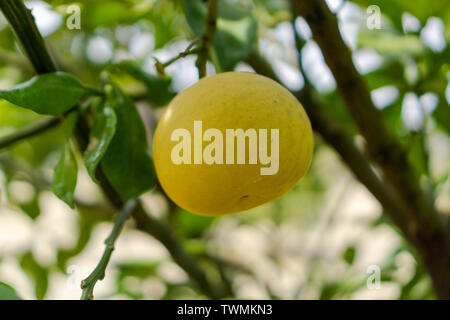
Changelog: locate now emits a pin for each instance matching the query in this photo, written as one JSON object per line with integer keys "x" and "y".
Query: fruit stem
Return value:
{"x": 207, "y": 38}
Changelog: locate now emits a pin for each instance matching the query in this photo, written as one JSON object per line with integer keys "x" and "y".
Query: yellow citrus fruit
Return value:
{"x": 208, "y": 166}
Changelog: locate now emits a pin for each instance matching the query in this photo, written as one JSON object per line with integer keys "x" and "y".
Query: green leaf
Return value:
{"x": 236, "y": 30}
{"x": 65, "y": 177}
{"x": 104, "y": 13}
{"x": 349, "y": 255}
{"x": 393, "y": 117}
{"x": 7, "y": 292}
{"x": 442, "y": 114}
{"x": 102, "y": 133}
{"x": 418, "y": 154}
{"x": 337, "y": 110}
{"x": 387, "y": 74}
{"x": 35, "y": 272}
{"x": 191, "y": 225}
{"x": 32, "y": 208}
{"x": 69, "y": 124}
{"x": 51, "y": 93}
{"x": 127, "y": 163}
{"x": 158, "y": 89}
{"x": 139, "y": 269}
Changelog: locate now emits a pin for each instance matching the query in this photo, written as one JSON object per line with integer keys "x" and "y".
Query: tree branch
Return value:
{"x": 34, "y": 47}
{"x": 98, "y": 273}
{"x": 381, "y": 144}
{"x": 435, "y": 248}
{"x": 426, "y": 229}
{"x": 207, "y": 38}
{"x": 160, "y": 66}
{"x": 145, "y": 223}
{"x": 165, "y": 235}
{"x": 30, "y": 39}
{"x": 29, "y": 131}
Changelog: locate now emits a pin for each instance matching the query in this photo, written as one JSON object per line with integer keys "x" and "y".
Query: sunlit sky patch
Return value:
{"x": 47, "y": 20}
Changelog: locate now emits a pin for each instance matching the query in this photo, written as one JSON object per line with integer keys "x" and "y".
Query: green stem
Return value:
{"x": 33, "y": 129}
{"x": 98, "y": 273}
{"x": 189, "y": 50}
{"x": 207, "y": 38}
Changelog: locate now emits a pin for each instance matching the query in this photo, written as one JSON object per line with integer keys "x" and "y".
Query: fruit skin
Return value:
{"x": 233, "y": 100}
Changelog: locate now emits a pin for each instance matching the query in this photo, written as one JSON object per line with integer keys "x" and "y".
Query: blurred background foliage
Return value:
{"x": 317, "y": 242}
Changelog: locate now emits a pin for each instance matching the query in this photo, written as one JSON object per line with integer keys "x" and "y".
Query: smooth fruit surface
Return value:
{"x": 224, "y": 101}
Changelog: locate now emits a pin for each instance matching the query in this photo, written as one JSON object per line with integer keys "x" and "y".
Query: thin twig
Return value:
{"x": 207, "y": 38}
{"x": 160, "y": 66}
{"x": 29, "y": 131}
{"x": 98, "y": 273}
{"x": 163, "y": 233}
